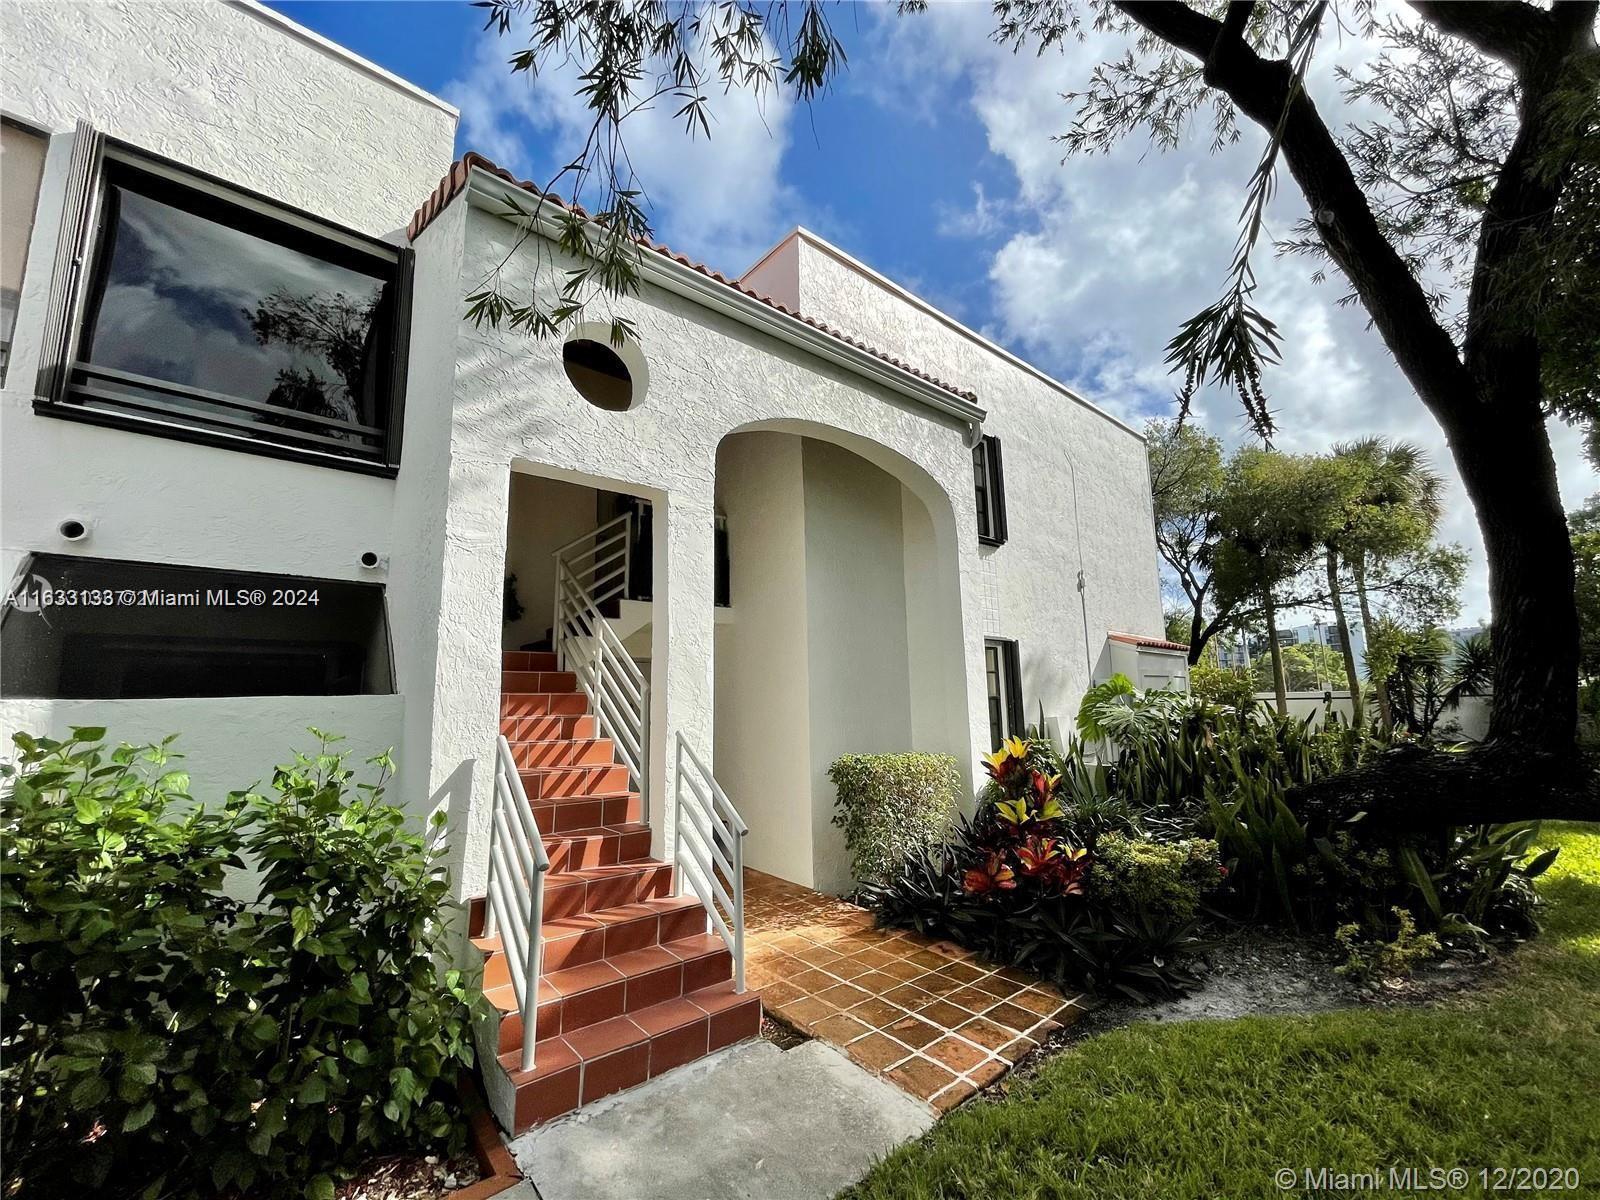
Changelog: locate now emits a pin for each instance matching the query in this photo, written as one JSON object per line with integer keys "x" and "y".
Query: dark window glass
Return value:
{"x": 205, "y": 313}
{"x": 1003, "y": 681}
{"x": 990, "y": 484}
{"x": 87, "y": 628}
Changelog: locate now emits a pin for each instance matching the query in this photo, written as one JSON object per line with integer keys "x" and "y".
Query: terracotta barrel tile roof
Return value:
{"x": 455, "y": 182}
{"x": 1148, "y": 643}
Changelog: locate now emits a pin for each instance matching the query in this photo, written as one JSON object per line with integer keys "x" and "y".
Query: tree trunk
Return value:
{"x": 1278, "y": 688}
{"x": 1510, "y": 473}
{"x": 1385, "y": 712}
{"x": 1351, "y": 676}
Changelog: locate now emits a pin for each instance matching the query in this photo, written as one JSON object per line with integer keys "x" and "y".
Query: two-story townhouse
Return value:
{"x": 617, "y": 606}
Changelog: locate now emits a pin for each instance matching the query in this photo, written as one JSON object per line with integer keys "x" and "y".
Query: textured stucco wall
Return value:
{"x": 860, "y": 680}
{"x": 762, "y": 736}
{"x": 228, "y": 743}
{"x": 229, "y": 90}
{"x": 1076, "y": 482}
{"x": 709, "y": 376}
{"x": 232, "y": 92}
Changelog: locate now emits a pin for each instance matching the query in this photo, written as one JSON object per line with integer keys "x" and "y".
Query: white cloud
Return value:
{"x": 1109, "y": 254}
{"x": 720, "y": 199}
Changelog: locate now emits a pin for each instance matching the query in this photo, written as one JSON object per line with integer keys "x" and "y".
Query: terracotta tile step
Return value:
{"x": 593, "y": 780}
{"x": 591, "y": 888}
{"x": 567, "y": 752}
{"x": 540, "y": 704}
{"x": 549, "y": 727}
{"x": 581, "y": 812}
{"x": 624, "y": 1051}
{"x": 527, "y": 660}
{"x": 597, "y": 846}
{"x": 538, "y": 681}
{"x": 608, "y": 932}
{"x": 576, "y": 997}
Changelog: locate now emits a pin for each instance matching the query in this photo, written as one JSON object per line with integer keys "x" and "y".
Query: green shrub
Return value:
{"x": 1167, "y": 880}
{"x": 1369, "y": 958}
{"x": 890, "y": 805}
{"x": 163, "y": 1038}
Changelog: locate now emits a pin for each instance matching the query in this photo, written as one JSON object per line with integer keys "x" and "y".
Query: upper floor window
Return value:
{"x": 215, "y": 315}
{"x": 21, "y": 167}
{"x": 991, "y": 486}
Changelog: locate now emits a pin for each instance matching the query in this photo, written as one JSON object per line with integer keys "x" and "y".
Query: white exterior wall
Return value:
{"x": 238, "y": 93}
{"x": 762, "y": 737}
{"x": 1076, "y": 480}
{"x": 709, "y": 376}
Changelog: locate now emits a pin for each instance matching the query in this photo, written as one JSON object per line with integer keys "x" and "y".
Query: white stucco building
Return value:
{"x": 260, "y": 472}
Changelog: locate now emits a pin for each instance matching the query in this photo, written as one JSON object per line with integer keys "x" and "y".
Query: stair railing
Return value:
{"x": 590, "y": 571}
{"x": 710, "y": 853}
{"x": 515, "y": 910}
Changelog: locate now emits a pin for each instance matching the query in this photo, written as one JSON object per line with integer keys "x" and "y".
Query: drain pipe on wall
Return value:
{"x": 1083, "y": 580}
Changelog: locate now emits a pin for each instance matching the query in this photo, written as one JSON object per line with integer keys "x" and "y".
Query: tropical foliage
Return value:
{"x": 166, "y": 1038}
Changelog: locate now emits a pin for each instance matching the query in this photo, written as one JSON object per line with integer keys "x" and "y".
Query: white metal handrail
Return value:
{"x": 710, "y": 854}
{"x": 590, "y": 571}
{"x": 517, "y": 867}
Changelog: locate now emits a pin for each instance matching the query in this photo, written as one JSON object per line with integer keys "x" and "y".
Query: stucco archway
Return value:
{"x": 844, "y": 633}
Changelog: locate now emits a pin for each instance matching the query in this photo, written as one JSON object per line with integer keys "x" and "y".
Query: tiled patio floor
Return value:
{"x": 929, "y": 1016}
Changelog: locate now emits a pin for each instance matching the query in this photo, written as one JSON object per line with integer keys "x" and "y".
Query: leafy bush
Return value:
{"x": 890, "y": 805}
{"x": 1398, "y": 957}
{"x": 1166, "y": 880}
{"x": 1226, "y": 687}
{"x": 164, "y": 1038}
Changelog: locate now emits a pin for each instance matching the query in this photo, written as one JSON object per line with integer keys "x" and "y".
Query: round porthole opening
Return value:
{"x": 73, "y": 530}
{"x": 600, "y": 374}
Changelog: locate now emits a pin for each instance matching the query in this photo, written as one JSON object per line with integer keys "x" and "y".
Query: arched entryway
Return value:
{"x": 842, "y": 633}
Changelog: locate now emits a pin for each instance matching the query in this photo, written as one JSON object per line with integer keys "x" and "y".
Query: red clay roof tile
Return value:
{"x": 455, "y": 182}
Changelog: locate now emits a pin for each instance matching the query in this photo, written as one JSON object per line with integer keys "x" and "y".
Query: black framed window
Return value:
{"x": 215, "y": 315}
{"x": 107, "y": 629}
{"x": 991, "y": 487}
{"x": 1002, "y": 673}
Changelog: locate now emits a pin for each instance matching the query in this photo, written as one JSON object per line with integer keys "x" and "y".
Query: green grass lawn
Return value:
{"x": 1508, "y": 1076}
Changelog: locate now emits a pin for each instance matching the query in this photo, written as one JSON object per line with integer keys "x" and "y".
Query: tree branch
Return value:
{"x": 1392, "y": 295}
{"x": 1509, "y": 30}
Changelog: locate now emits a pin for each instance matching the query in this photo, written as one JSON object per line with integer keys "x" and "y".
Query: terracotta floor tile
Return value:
{"x": 914, "y": 1032}
{"x": 1036, "y": 1000}
{"x": 944, "y": 1014}
{"x": 963, "y": 972}
{"x": 960, "y": 1056}
{"x": 812, "y": 980}
{"x": 805, "y": 1013}
{"x": 908, "y": 996}
{"x": 775, "y": 995}
{"x": 843, "y": 995}
{"x": 986, "y": 1073}
{"x": 925, "y": 1013}
{"x": 841, "y": 1029}
{"x": 877, "y": 1011}
{"x": 953, "y": 1095}
{"x": 877, "y": 1052}
{"x": 922, "y": 1077}
{"x": 905, "y": 970}
{"x": 986, "y": 1033}
{"x": 1012, "y": 1017}
{"x": 971, "y": 999}
{"x": 1013, "y": 1052}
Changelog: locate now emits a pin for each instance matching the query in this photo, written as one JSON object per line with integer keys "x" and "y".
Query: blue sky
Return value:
{"x": 932, "y": 161}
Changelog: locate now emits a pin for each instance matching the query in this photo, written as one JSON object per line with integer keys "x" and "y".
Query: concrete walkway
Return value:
{"x": 752, "y": 1122}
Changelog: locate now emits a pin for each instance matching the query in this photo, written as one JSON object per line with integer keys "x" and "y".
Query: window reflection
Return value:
{"x": 195, "y": 292}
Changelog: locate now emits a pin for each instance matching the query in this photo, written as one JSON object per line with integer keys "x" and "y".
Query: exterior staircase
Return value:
{"x": 632, "y": 983}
